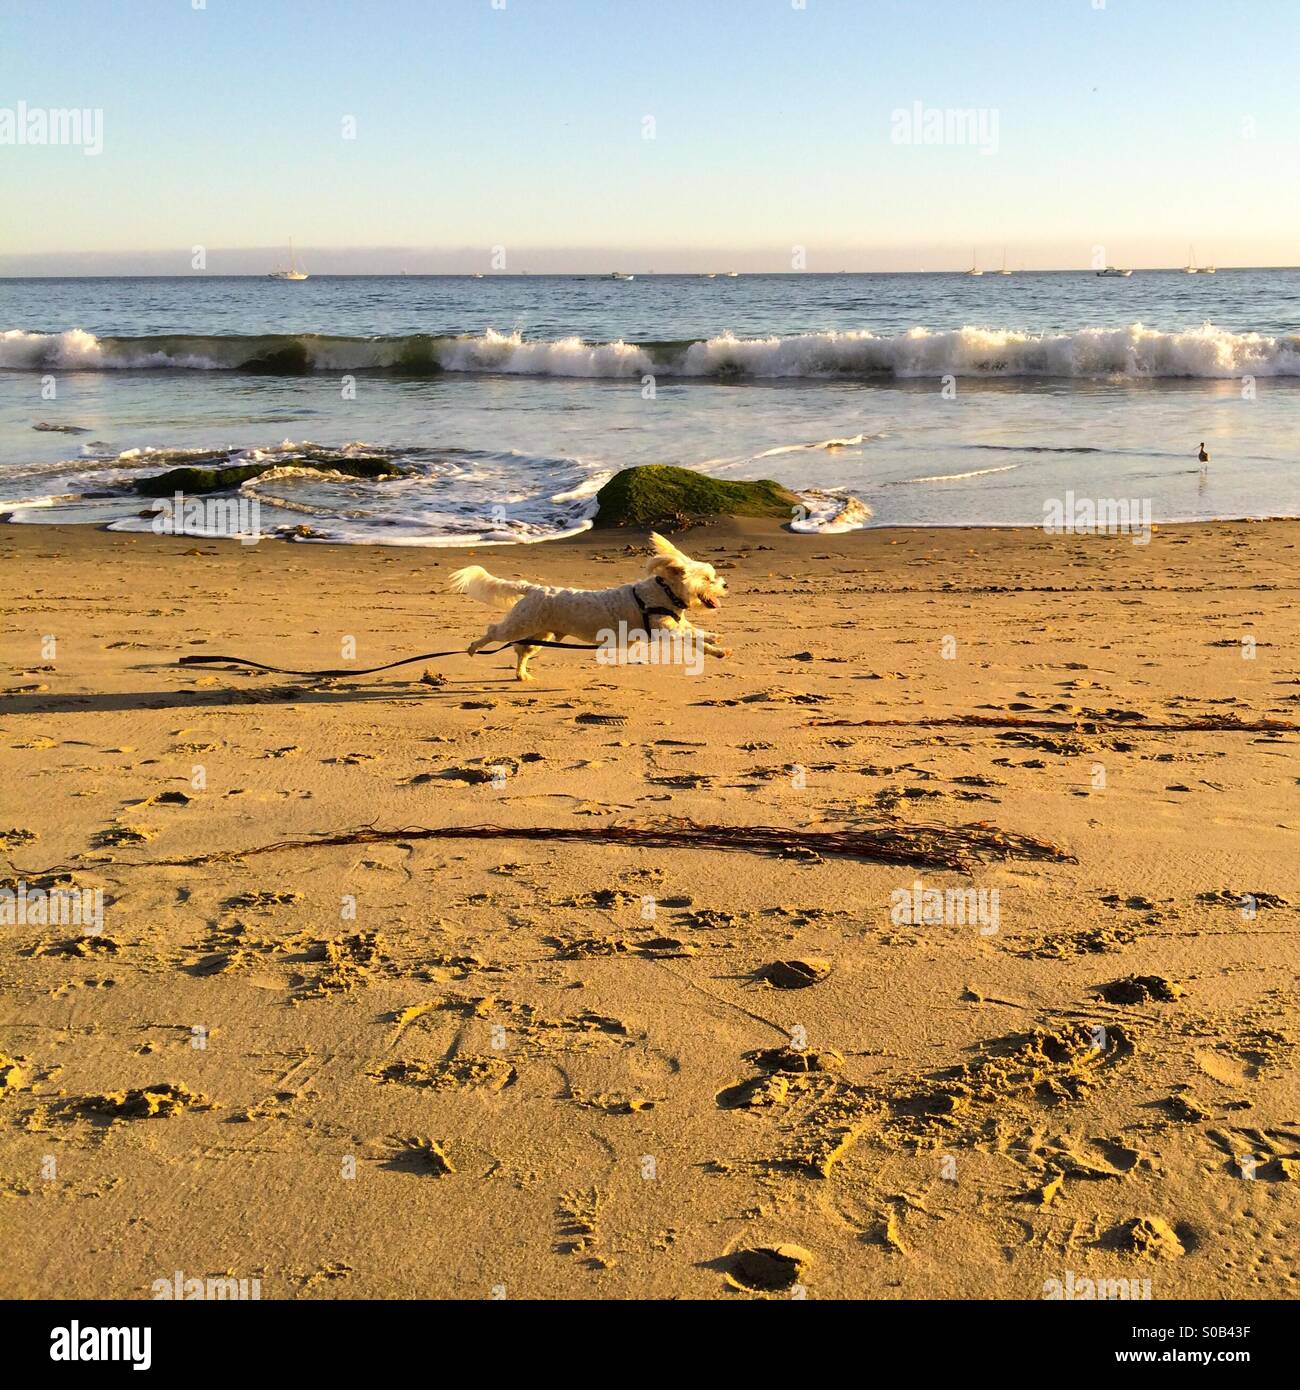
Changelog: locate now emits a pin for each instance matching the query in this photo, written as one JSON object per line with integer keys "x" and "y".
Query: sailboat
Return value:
{"x": 1191, "y": 268}
{"x": 1004, "y": 270}
{"x": 974, "y": 264}
{"x": 292, "y": 273}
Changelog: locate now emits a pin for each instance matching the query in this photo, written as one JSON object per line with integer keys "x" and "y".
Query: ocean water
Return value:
{"x": 506, "y": 401}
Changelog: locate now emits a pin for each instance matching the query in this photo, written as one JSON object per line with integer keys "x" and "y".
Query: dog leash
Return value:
{"x": 212, "y": 658}
{"x": 647, "y": 612}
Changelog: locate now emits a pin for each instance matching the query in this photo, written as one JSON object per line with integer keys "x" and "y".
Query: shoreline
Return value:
{"x": 721, "y": 524}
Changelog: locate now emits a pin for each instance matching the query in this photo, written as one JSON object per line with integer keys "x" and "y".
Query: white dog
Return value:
{"x": 673, "y": 584}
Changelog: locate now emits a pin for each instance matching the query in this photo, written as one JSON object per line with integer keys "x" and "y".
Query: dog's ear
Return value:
{"x": 666, "y": 548}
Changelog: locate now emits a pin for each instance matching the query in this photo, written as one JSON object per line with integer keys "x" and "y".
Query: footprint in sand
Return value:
{"x": 116, "y": 835}
{"x": 1140, "y": 989}
{"x": 82, "y": 947}
{"x": 460, "y": 1073}
{"x": 794, "y": 974}
{"x": 577, "y": 1216}
{"x": 1226, "y": 1069}
{"x": 767, "y": 1268}
{"x": 420, "y": 1155}
{"x": 1148, "y": 1238}
{"x": 161, "y": 799}
{"x": 162, "y": 1101}
{"x": 261, "y": 900}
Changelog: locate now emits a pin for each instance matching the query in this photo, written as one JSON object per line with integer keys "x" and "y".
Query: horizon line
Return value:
{"x": 606, "y": 274}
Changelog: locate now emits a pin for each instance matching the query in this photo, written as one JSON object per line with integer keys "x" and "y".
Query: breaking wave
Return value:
{"x": 830, "y": 512}
{"x": 1134, "y": 352}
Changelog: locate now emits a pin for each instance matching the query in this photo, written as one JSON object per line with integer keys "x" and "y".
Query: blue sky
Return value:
{"x": 1141, "y": 127}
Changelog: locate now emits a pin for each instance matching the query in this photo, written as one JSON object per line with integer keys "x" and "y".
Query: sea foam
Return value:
{"x": 1134, "y": 352}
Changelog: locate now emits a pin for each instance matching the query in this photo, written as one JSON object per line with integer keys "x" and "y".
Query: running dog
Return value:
{"x": 673, "y": 584}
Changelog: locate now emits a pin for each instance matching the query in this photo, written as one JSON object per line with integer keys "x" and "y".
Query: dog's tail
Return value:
{"x": 475, "y": 581}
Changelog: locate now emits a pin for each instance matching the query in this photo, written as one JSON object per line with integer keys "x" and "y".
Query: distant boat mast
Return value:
{"x": 292, "y": 272}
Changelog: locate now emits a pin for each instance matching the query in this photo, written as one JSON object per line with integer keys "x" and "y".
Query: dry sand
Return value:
{"x": 557, "y": 1069}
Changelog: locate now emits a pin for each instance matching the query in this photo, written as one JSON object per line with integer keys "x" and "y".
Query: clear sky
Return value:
{"x": 1140, "y": 126}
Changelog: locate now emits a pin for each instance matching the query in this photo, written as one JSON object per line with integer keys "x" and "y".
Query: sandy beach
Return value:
{"x": 423, "y": 1067}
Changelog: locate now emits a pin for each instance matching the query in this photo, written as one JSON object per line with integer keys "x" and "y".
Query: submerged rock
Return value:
{"x": 193, "y": 481}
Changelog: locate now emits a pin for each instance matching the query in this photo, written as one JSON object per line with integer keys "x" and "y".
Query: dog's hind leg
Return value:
{"x": 524, "y": 653}
{"x": 504, "y": 630}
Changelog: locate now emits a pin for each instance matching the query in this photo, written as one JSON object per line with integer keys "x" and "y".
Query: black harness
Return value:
{"x": 648, "y": 611}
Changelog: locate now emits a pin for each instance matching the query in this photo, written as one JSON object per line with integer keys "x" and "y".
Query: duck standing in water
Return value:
{"x": 1203, "y": 456}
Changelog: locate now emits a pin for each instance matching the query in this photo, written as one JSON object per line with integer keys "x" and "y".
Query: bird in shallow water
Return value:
{"x": 1203, "y": 456}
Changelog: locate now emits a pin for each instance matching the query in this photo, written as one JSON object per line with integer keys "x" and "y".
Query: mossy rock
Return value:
{"x": 193, "y": 481}
{"x": 659, "y": 492}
